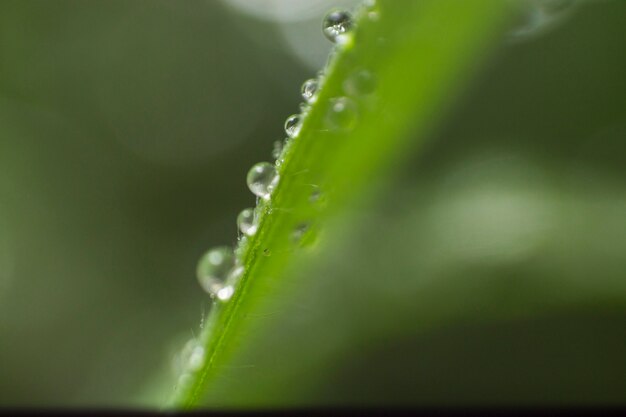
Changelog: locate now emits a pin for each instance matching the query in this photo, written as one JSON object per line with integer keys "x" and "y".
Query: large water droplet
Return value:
{"x": 342, "y": 114}
{"x": 262, "y": 179}
{"x": 309, "y": 90}
{"x": 213, "y": 269}
{"x": 293, "y": 125}
{"x": 361, "y": 82}
{"x": 336, "y": 24}
{"x": 247, "y": 222}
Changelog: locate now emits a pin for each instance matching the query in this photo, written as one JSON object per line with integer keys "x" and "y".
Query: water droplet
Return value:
{"x": 247, "y": 222}
{"x": 336, "y": 24}
{"x": 299, "y": 232}
{"x": 196, "y": 359}
{"x": 536, "y": 16}
{"x": 293, "y": 125}
{"x": 267, "y": 252}
{"x": 213, "y": 268}
{"x": 309, "y": 90}
{"x": 361, "y": 82}
{"x": 342, "y": 114}
{"x": 225, "y": 293}
{"x": 262, "y": 179}
{"x": 190, "y": 358}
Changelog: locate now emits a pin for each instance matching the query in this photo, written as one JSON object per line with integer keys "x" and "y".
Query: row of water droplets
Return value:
{"x": 220, "y": 268}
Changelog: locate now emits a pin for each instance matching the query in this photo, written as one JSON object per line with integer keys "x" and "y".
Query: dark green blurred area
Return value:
{"x": 126, "y": 130}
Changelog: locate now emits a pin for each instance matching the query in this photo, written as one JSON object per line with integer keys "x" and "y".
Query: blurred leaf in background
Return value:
{"x": 492, "y": 271}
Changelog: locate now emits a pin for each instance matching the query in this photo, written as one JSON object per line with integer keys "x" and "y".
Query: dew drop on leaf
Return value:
{"x": 293, "y": 125}
{"x": 247, "y": 222}
{"x": 309, "y": 90}
{"x": 190, "y": 358}
{"x": 196, "y": 359}
{"x": 315, "y": 195}
{"x": 299, "y": 232}
{"x": 262, "y": 179}
{"x": 336, "y": 24}
{"x": 225, "y": 293}
{"x": 213, "y": 269}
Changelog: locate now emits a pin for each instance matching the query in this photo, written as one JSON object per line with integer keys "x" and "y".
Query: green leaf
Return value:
{"x": 418, "y": 54}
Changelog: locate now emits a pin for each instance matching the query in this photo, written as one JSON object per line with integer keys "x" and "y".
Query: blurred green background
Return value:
{"x": 492, "y": 270}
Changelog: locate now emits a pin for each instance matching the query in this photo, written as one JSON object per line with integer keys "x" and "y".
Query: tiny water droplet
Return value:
{"x": 262, "y": 179}
{"x": 247, "y": 222}
{"x": 190, "y": 358}
{"x": 213, "y": 268}
{"x": 342, "y": 114}
{"x": 299, "y": 232}
{"x": 267, "y": 252}
{"x": 309, "y": 90}
{"x": 361, "y": 82}
{"x": 336, "y": 24}
{"x": 315, "y": 195}
{"x": 293, "y": 125}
